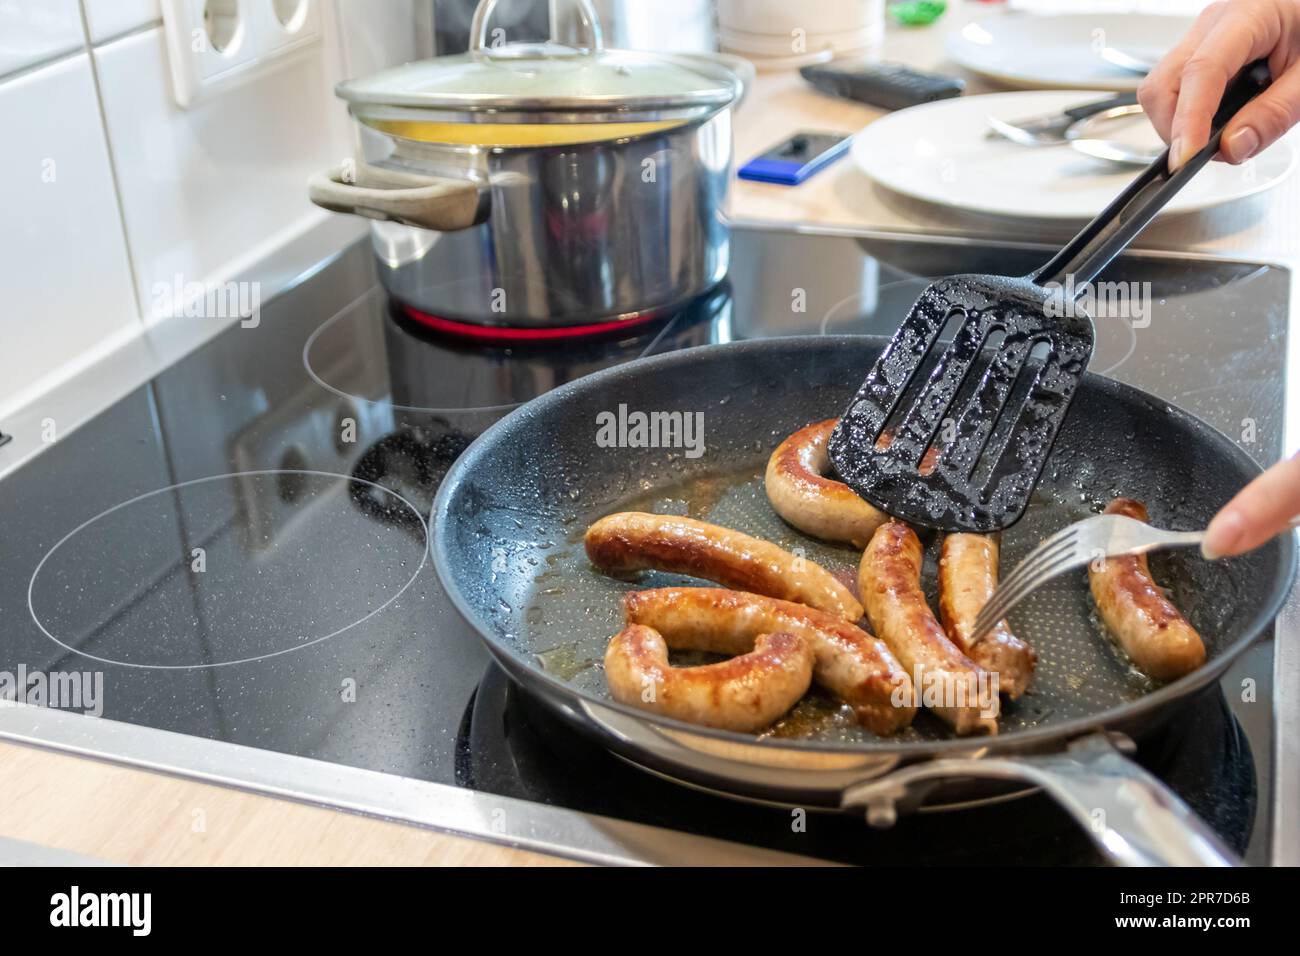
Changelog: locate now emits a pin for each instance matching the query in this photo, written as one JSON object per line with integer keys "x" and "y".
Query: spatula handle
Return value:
{"x": 1107, "y": 236}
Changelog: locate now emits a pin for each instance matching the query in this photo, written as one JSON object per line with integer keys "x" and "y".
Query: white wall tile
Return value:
{"x": 106, "y": 19}
{"x": 66, "y": 284}
{"x": 211, "y": 188}
{"x": 377, "y": 35}
{"x": 32, "y": 31}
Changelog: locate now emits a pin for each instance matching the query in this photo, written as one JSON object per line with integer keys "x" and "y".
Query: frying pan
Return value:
{"x": 510, "y": 515}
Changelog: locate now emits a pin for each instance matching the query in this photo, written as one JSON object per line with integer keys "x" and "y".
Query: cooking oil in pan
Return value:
{"x": 565, "y": 660}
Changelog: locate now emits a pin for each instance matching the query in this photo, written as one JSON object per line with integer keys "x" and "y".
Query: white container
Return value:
{"x": 788, "y": 64}
{"x": 767, "y": 45}
{"x": 780, "y": 17}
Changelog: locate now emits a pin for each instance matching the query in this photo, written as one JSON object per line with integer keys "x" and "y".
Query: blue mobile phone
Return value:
{"x": 797, "y": 158}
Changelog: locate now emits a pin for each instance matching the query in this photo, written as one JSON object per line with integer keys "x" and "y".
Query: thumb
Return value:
{"x": 1263, "y": 120}
{"x": 1261, "y": 510}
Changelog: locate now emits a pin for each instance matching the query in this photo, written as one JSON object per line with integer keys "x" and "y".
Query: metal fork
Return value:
{"x": 1102, "y": 536}
{"x": 1049, "y": 129}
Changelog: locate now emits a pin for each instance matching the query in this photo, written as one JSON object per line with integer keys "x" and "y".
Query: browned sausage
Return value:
{"x": 1144, "y": 622}
{"x": 849, "y": 662}
{"x": 802, "y": 495}
{"x": 949, "y": 683}
{"x": 968, "y": 575}
{"x": 634, "y": 541}
{"x": 746, "y": 693}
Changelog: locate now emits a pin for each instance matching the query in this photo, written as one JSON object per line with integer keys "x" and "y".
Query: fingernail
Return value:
{"x": 1242, "y": 144}
{"x": 1176, "y": 154}
{"x": 1223, "y": 534}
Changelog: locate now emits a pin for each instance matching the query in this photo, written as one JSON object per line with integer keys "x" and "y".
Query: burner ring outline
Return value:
{"x": 266, "y": 472}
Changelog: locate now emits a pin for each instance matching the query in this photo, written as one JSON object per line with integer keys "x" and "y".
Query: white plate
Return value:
{"x": 938, "y": 153}
{"x": 1062, "y": 51}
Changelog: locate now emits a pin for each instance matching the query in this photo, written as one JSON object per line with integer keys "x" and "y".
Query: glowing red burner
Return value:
{"x": 502, "y": 335}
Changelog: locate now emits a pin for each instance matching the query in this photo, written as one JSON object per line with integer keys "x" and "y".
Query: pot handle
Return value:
{"x": 429, "y": 202}
{"x": 480, "y": 48}
{"x": 1133, "y": 818}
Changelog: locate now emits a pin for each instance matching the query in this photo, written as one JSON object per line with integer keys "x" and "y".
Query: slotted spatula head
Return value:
{"x": 961, "y": 447}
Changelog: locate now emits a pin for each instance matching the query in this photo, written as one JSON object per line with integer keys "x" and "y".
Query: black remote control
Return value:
{"x": 890, "y": 86}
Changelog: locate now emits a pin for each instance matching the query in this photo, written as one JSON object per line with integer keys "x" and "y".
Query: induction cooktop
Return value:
{"x": 225, "y": 572}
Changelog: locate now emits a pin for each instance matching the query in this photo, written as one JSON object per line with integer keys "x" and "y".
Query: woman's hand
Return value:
{"x": 1260, "y": 511}
{"x": 1182, "y": 93}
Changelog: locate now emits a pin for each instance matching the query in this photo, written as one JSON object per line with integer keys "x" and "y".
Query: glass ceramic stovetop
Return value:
{"x": 237, "y": 550}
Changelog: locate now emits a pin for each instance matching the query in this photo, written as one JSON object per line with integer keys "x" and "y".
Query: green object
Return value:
{"x": 917, "y": 13}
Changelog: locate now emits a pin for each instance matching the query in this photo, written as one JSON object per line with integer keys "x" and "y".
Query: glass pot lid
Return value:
{"x": 499, "y": 78}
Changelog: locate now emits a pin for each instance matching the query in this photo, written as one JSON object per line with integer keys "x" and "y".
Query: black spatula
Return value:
{"x": 962, "y": 447}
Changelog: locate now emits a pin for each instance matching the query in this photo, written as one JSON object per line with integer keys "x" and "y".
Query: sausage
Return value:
{"x": 848, "y": 662}
{"x": 889, "y": 580}
{"x": 1147, "y": 626}
{"x": 968, "y": 575}
{"x": 634, "y": 541}
{"x": 802, "y": 495}
{"x": 746, "y": 693}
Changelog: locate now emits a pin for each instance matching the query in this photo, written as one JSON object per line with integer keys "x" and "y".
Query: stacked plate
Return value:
{"x": 944, "y": 154}
{"x": 941, "y": 154}
{"x": 1066, "y": 51}
{"x": 781, "y": 35}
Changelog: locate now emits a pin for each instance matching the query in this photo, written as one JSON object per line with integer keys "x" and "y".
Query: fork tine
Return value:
{"x": 1063, "y": 560}
{"x": 1016, "y": 588}
{"x": 1037, "y": 558}
{"x": 1074, "y": 547}
{"x": 1051, "y": 546}
{"x": 1007, "y": 598}
{"x": 992, "y": 613}
{"x": 1026, "y": 570}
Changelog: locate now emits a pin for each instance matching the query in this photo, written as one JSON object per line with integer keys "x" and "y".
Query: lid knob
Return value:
{"x": 480, "y": 48}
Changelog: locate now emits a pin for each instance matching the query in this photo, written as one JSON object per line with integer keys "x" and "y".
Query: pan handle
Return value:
{"x": 429, "y": 202}
{"x": 1133, "y": 818}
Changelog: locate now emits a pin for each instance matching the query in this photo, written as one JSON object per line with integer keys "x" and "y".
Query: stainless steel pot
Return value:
{"x": 544, "y": 185}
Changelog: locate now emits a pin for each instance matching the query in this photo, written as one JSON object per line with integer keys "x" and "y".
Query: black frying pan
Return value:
{"x": 510, "y": 515}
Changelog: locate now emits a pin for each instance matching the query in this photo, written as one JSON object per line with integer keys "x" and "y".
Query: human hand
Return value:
{"x": 1182, "y": 93}
{"x": 1259, "y": 512}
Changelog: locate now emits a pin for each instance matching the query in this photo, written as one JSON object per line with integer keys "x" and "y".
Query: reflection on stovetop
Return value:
{"x": 510, "y": 744}
{"x": 370, "y": 353}
{"x": 286, "y": 454}
{"x": 443, "y": 393}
